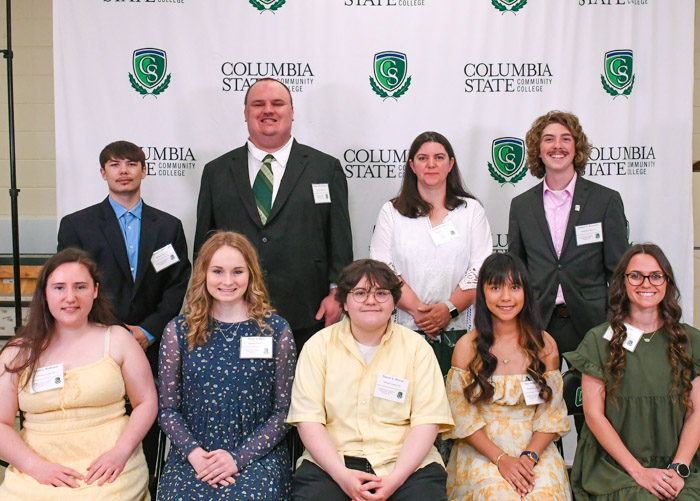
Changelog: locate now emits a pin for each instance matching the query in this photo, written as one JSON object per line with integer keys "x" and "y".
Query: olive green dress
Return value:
{"x": 648, "y": 418}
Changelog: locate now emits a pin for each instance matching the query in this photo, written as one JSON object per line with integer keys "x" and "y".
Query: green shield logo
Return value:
{"x": 508, "y": 155}
{"x": 512, "y": 6}
{"x": 618, "y": 68}
{"x": 390, "y": 69}
{"x": 149, "y": 66}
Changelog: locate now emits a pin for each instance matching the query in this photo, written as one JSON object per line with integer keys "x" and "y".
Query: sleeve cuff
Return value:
{"x": 148, "y": 335}
{"x": 583, "y": 365}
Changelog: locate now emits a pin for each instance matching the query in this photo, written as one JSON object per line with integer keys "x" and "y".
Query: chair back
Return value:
{"x": 572, "y": 392}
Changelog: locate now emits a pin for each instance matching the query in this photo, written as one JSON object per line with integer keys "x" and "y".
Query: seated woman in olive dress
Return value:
{"x": 505, "y": 390}
{"x": 226, "y": 370}
{"x": 641, "y": 391}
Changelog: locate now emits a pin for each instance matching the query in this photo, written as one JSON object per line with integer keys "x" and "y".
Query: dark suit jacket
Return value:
{"x": 583, "y": 271}
{"x": 153, "y": 299}
{"x": 304, "y": 245}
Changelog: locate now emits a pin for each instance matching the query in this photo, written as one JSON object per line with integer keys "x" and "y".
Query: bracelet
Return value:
{"x": 499, "y": 458}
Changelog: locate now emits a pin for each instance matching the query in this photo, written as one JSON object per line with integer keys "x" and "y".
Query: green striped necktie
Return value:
{"x": 262, "y": 189}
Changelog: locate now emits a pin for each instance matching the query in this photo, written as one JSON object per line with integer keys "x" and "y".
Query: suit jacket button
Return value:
{"x": 264, "y": 239}
{"x": 559, "y": 266}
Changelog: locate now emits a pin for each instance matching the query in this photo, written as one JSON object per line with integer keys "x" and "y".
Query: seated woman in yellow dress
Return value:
{"x": 505, "y": 391}
{"x": 68, "y": 371}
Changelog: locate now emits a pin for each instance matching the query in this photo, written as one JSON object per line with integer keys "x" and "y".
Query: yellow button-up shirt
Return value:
{"x": 334, "y": 387}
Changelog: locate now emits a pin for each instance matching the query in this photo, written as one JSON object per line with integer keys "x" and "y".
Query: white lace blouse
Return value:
{"x": 434, "y": 271}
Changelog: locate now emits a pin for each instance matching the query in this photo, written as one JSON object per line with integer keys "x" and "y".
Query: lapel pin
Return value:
{"x": 577, "y": 208}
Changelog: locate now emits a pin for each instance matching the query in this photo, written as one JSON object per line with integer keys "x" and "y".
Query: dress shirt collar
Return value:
{"x": 119, "y": 210}
{"x": 569, "y": 188}
{"x": 281, "y": 155}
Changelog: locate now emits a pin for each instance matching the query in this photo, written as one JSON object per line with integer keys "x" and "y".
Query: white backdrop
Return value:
{"x": 479, "y": 70}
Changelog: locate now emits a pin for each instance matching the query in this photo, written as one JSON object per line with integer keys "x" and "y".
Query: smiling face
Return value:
{"x": 557, "y": 149}
{"x": 505, "y": 301}
{"x": 269, "y": 113}
{"x": 646, "y": 295}
{"x": 370, "y": 315}
{"x": 70, "y": 292}
{"x": 123, "y": 176}
{"x": 431, "y": 164}
{"x": 227, "y": 275}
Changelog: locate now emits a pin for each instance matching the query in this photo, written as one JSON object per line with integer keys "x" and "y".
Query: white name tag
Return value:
{"x": 256, "y": 347}
{"x": 531, "y": 392}
{"x": 47, "y": 378}
{"x": 391, "y": 388}
{"x": 321, "y": 193}
{"x": 632, "y": 337}
{"x": 589, "y": 234}
{"x": 164, "y": 257}
{"x": 443, "y": 233}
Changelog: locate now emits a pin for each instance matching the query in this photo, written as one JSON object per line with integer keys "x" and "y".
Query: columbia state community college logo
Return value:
{"x": 390, "y": 70}
{"x": 618, "y": 78}
{"x": 508, "y": 5}
{"x": 149, "y": 77}
{"x": 508, "y": 155}
{"x": 267, "y": 5}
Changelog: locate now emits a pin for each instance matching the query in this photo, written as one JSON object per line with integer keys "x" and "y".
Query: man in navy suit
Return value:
{"x": 140, "y": 251}
{"x": 570, "y": 232}
{"x": 290, "y": 201}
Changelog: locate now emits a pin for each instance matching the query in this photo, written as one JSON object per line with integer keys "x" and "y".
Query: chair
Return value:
{"x": 160, "y": 461}
{"x": 573, "y": 400}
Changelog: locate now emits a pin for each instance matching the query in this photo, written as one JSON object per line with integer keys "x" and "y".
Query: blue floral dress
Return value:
{"x": 210, "y": 397}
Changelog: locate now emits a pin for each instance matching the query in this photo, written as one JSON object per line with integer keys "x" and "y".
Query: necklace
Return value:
{"x": 648, "y": 339}
{"x": 506, "y": 359}
{"x": 227, "y": 330}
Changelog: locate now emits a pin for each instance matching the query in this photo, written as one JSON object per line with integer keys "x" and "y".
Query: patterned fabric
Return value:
{"x": 212, "y": 398}
{"x": 262, "y": 188}
{"x": 72, "y": 426}
{"x": 509, "y": 423}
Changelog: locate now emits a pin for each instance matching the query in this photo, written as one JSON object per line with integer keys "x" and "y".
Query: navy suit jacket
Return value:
{"x": 584, "y": 271}
{"x": 304, "y": 245}
{"x": 152, "y": 299}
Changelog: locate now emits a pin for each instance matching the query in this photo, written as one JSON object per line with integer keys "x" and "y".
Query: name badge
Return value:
{"x": 256, "y": 347}
{"x": 391, "y": 388}
{"x": 443, "y": 233}
{"x": 164, "y": 257}
{"x": 531, "y": 392}
{"x": 47, "y": 378}
{"x": 632, "y": 337}
{"x": 321, "y": 193}
{"x": 589, "y": 234}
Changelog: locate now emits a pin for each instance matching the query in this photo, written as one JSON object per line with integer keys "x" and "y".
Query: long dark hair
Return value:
{"x": 409, "y": 203}
{"x": 34, "y": 337}
{"x": 670, "y": 315}
{"x": 499, "y": 269}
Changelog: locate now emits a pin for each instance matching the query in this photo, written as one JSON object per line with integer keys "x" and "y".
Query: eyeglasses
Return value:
{"x": 380, "y": 295}
{"x": 636, "y": 278}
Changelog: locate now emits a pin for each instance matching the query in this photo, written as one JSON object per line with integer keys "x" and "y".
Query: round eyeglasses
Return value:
{"x": 380, "y": 295}
{"x": 636, "y": 278}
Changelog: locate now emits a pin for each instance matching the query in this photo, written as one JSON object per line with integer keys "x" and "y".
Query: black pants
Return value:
{"x": 312, "y": 483}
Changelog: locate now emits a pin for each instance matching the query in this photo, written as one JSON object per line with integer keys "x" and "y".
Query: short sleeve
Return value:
{"x": 481, "y": 246}
{"x": 428, "y": 401}
{"x": 587, "y": 357}
{"x": 551, "y": 417}
{"x": 308, "y": 402}
{"x": 694, "y": 348}
{"x": 465, "y": 414}
{"x": 382, "y": 245}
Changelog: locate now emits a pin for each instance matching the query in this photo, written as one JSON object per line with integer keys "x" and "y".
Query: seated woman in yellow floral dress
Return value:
{"x": 505, "y": 390}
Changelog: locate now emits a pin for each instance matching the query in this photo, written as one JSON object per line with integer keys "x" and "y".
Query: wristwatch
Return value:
{"x": 454, "y": 312}
{"x": 680, "y": 468}
{"x": 532, "y": 455}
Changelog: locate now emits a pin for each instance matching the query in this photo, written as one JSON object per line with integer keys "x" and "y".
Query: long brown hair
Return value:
{"x": 409, "y": 203}
{"x": 670, "y": 315}
{"x": 34, "y": 337}
{"x": 499, "y": 269}
{"x": 199, "y": 301}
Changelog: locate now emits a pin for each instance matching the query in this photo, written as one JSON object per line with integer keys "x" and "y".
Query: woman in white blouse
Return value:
{"x": 435, "y": 236}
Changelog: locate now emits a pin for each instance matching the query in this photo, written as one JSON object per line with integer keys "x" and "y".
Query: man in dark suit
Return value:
{"x": 290, "y": 201}
{"x": 570, "y": 232}
{"x": 140, "y": 251}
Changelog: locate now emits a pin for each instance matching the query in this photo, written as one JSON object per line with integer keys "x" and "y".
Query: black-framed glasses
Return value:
{"x": 636, "y": 278}
{"x": 380, "y": 295}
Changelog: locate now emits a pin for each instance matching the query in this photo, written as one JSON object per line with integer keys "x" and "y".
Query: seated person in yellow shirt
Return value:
{"x": 368, "y": 400}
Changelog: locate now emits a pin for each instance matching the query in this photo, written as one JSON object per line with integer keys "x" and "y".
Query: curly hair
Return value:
{"x": 669, "y": 313}
{"x": 499, "y": 269}
{"x": 534, "y": 137}
{"x": 34, "y": 337}
{"x": 409, "y": 203}
{"x": 199, "y": 301}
